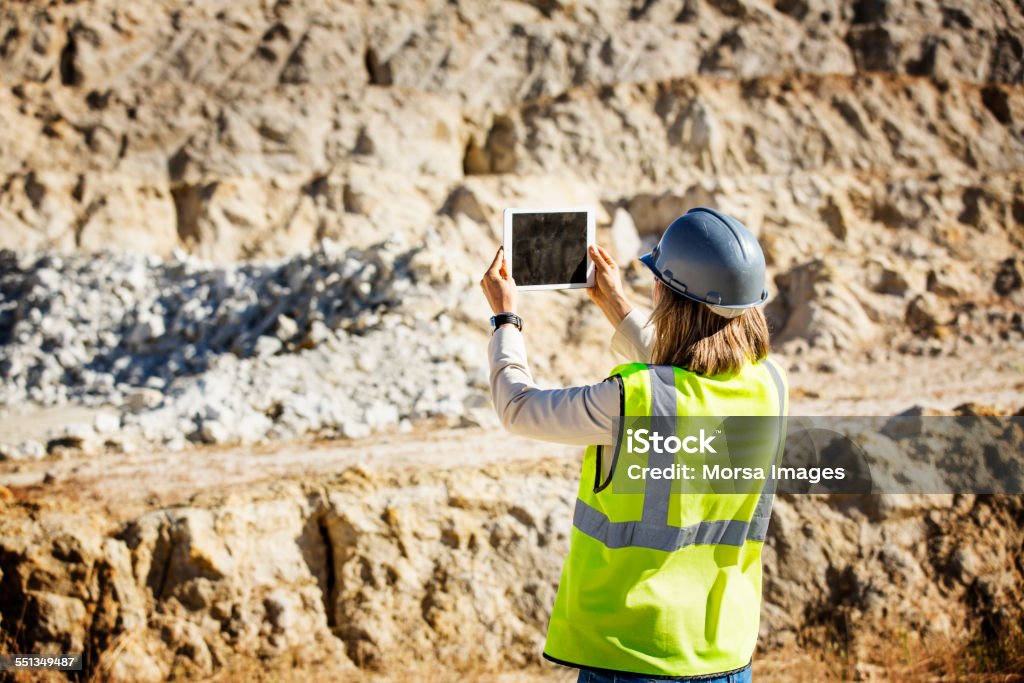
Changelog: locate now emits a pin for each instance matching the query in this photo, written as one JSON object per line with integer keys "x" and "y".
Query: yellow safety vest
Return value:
{"x": 660, "y": 584}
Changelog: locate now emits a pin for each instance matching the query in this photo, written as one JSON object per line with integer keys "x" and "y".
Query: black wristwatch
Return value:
{"x": 499, "y": 319}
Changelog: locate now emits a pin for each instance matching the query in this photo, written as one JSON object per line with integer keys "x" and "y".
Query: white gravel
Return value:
{"x": 333, "y": 343}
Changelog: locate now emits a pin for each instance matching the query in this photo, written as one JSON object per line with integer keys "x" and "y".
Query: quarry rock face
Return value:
{"x": 460, "y": 565}
{"x": 231, "y": 226}
{"x": 256, "y": 130}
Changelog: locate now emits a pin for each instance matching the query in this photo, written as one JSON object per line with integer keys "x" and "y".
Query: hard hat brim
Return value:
{"x": 650, "y": 261}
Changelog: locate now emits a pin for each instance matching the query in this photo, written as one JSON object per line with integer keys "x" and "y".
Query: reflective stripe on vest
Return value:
{"x": 596, "y": 524}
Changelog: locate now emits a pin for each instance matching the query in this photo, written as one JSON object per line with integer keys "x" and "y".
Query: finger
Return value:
{"x": 504, "y": 269}
{"x": 606, "y": 256}
{"x": 499, "y": 258}
{"x": 595, "y": 255}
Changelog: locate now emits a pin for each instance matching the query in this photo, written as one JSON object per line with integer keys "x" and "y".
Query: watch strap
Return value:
{"x": 499, "y": 319}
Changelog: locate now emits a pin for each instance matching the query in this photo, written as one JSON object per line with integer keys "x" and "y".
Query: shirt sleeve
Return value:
{"x": 633, "y": 337}
{"x": 581, "y": 415}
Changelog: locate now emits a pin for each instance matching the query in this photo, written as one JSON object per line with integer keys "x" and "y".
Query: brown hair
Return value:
{"x": 690, "y": 335}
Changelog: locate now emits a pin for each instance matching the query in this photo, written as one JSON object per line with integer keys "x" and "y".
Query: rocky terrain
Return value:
{"x": 242, "y": 349}
{"x": 176, "y": 352}
{"x": 384, "y": 559}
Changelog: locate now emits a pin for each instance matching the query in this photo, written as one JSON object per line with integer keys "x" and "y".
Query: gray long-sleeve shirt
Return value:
{"x": 580, "y": 415}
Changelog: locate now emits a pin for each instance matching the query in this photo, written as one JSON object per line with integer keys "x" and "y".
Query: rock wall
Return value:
{"x": 248, "y": 129}
{"x": 396, "y": 570}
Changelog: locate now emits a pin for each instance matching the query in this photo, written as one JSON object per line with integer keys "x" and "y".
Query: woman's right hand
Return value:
{"x": 607, "y": 291}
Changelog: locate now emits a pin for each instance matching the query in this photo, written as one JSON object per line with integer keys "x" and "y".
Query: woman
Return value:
{"x": 659, "y": 585}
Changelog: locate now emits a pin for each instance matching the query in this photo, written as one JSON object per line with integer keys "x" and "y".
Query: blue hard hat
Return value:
{"x": 712, "y": 258}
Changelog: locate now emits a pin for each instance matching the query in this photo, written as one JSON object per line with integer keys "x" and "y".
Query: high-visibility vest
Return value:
{"x": 664, "y": 584}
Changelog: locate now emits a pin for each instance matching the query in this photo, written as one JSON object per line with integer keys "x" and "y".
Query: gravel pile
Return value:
{"x": 334, "y": 343}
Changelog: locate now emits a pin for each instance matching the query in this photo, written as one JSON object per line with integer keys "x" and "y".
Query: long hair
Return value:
{"x": 690, "y": 335}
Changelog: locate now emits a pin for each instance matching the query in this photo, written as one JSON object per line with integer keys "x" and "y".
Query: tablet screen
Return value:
{"x": 549, "y": 248}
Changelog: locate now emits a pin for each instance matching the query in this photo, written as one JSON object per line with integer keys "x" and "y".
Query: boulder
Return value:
{"x": 817, "y": 304}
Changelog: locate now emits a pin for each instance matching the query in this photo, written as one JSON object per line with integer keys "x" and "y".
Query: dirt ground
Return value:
{"x": 124, "y": 483}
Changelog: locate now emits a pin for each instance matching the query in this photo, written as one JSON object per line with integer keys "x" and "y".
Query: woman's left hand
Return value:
{"x": 498, "y": 285}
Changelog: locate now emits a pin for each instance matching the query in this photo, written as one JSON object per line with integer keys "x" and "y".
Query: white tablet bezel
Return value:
{"x": 507, "y": 243}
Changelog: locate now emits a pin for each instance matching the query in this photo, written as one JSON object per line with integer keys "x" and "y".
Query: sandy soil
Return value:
{"x": 123, "y": 483}
{"x": 993, "y": 376}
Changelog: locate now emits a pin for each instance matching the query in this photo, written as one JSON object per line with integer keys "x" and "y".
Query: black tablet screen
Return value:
{"x": 549, "y": 248}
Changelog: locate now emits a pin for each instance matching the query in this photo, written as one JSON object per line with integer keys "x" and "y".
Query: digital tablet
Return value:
{"x": 550, "y": 248}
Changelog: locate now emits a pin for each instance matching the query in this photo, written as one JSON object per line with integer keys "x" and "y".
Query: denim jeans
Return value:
{"x": 589, "y": 676}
